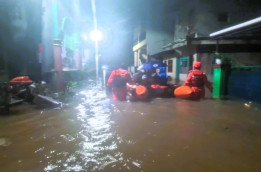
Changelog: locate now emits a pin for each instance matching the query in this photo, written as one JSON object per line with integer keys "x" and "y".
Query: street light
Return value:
{"x": 96, "y": 36}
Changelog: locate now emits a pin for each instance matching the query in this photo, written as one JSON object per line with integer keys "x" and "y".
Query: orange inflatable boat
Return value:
{"x": 183, "y": 92}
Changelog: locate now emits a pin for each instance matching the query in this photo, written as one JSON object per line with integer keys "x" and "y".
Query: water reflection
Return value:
{"x": 95, "y": 134}
{"x": 94, "y": 138}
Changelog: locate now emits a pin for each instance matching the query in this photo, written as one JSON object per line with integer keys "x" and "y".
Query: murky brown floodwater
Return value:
{"x": 95, "y": 134}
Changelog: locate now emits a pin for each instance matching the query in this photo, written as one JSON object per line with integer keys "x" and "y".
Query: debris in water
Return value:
{"x": 248, "y": 104}
{"x": 136, "y": 164}
{"x": 53, "y": 151}
{"x": 46, "y": 102}
{"x": 38, "y": 150}
{"x": 4, "y": 142}
{"x": 50, "y": 167}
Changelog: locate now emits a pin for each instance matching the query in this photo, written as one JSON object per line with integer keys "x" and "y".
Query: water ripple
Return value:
{"x": 97, "y": 142}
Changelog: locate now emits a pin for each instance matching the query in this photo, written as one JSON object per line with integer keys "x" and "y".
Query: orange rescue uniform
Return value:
{"x": 117, "y": 81}
{"x": 197, "y": 80}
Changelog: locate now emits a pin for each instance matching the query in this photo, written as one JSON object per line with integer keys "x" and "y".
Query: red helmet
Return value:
{"x": 197, "y": 64}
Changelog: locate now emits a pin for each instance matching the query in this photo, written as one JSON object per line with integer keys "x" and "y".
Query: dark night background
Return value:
{"x": 116, "y": 18}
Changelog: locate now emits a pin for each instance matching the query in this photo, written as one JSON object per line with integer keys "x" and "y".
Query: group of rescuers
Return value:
{"x": 145, "y": 85}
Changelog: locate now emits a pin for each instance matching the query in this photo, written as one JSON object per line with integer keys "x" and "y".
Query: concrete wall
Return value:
{"x": 183, "y": 77}
{"x": 20, "y": 36}
{"x": 156, "y": 39}
{"x": 158, "y": 25}
{"x": 207, "y": 63}
{"x": 247, "y": 59}
{"x": 160, "y": 31}
{"x": 47, "y": 37}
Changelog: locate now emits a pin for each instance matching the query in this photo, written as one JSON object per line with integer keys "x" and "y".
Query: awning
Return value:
{"x": 246, "y": 28}
{"x": 176, "y": 49}
{"x": 227, "y": 45}
{"x": 241, "y": 38}
{"x": 163, "y": 54}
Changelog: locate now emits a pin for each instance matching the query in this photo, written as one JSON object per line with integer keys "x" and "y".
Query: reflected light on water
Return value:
{"x": 96, "y": 132}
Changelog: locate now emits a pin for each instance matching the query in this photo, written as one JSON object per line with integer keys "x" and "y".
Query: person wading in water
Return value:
{"x": 197, "y": 80}
{"x": 117, "y": 82}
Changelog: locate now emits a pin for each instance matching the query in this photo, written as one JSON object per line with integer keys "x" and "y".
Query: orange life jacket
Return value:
{"x": 197, "y": 79}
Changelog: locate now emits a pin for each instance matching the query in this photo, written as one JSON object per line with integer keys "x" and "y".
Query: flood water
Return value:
{"x": 93, "y": 133}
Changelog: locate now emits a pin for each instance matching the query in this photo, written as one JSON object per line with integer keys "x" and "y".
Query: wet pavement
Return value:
{"x": 93, "y": 133}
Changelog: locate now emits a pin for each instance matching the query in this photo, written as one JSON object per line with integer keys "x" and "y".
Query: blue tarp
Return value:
{"x": 152, "y": 65}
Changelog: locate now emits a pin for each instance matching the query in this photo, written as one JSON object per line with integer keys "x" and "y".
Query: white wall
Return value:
{"x": 173, "y": 73}
{"x": 183, "y": 77}
{"x": 156, "y": 39}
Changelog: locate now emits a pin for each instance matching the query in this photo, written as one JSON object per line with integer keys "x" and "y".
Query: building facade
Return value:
{"x": 64, "y": 53}
{"x": 153, "y": 30}
{"x": 20, "y": 39}
{"x": 173, "y": 26}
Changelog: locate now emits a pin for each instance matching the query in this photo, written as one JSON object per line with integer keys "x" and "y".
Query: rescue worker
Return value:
{"x": 197, "y": 80}
{"x": 160, "y": 76}
{"x": 117, "y": 82}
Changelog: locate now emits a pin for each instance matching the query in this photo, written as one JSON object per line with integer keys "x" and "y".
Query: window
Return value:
{"x": 170, "y": 63}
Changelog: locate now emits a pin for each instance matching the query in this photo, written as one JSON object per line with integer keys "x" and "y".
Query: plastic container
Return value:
{"x": 21, "y": 80}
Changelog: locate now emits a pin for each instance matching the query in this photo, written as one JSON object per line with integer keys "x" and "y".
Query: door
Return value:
{"x": 183, "y": 68}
